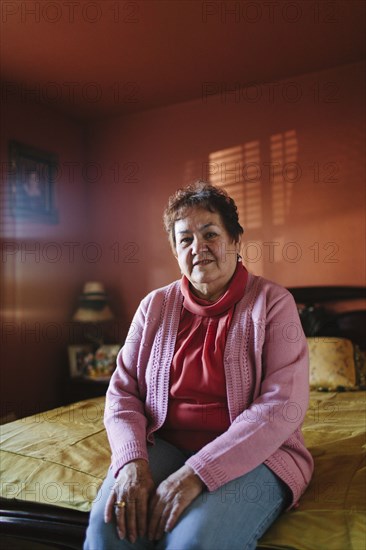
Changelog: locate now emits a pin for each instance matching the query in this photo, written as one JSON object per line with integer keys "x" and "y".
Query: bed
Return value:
{"x": 53, "y": 462}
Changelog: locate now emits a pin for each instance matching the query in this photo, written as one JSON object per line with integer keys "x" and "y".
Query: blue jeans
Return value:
{"x": 233, "y": 517}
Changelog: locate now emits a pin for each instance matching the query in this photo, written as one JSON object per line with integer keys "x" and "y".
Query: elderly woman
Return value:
{"x": 204, "y": 410}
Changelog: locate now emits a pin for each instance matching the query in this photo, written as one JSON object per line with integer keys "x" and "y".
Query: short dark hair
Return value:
{"x": 203, "y": 195}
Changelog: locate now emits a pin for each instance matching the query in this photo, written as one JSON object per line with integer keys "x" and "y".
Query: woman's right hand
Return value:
{"x": 134, "y": 485}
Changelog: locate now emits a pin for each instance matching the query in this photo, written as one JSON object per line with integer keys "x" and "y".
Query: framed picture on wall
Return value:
{"x": 32, "y": 176}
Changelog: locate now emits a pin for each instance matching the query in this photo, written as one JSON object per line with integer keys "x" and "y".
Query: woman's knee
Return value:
{"x": 233, "y": 517}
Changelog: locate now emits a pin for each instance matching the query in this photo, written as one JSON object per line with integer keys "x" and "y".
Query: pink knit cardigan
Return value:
{"x": 267, "y": 382}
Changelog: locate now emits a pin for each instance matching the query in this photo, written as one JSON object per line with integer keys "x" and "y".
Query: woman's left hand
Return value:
{"x": 171, "y": 498}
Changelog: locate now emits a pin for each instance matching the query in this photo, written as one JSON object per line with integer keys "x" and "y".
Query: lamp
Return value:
{"x": 93, "y": 305}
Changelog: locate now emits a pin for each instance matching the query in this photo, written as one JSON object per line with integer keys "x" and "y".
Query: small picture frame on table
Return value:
{"x": 32, "y": 176}
{"x": 92, "y": 364}
{"x": 104, "y": 363}
{"x": 78, "y": 359}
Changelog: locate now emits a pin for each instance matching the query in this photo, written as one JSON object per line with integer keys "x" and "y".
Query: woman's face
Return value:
{"x": 206, "y": 253}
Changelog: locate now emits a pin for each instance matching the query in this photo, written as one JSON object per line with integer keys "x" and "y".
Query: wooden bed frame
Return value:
{"x": 44, "y": 524}
{"x": 28, "y": 526}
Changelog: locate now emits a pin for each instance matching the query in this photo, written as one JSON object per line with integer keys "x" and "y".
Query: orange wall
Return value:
{"x": 308, "y": 137}
{"x": 39, "y": 277}
{"x": 303, "y": 141}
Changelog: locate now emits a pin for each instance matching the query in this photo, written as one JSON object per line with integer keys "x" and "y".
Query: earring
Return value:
{"x": 239, "y": 258}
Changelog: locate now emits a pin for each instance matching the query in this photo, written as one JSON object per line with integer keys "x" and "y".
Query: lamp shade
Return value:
{"x": 93, "y": 305}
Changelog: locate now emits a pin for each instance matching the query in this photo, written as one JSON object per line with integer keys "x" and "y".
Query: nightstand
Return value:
{"x": 80, "y": 388}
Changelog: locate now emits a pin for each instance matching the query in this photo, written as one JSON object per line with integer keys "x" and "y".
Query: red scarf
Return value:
{"x": 197, "y": 410}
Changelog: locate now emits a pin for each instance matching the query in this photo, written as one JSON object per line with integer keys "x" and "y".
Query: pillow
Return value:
{"x": 332, "y": 363}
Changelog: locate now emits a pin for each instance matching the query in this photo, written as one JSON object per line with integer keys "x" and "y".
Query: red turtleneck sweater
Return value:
{"x": 197, "y": 410}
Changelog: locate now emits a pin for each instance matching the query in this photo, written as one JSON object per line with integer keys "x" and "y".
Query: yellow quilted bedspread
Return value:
{"x": 331, "y": 513}
{"x": 60, "y": 457}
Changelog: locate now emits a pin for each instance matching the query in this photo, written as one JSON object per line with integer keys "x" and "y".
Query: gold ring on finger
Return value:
{"x": 120, "y": 504}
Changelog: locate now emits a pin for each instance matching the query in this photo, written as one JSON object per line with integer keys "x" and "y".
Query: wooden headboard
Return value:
{"x": 320, "y": 294}
{"x": 333, "y": 311}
